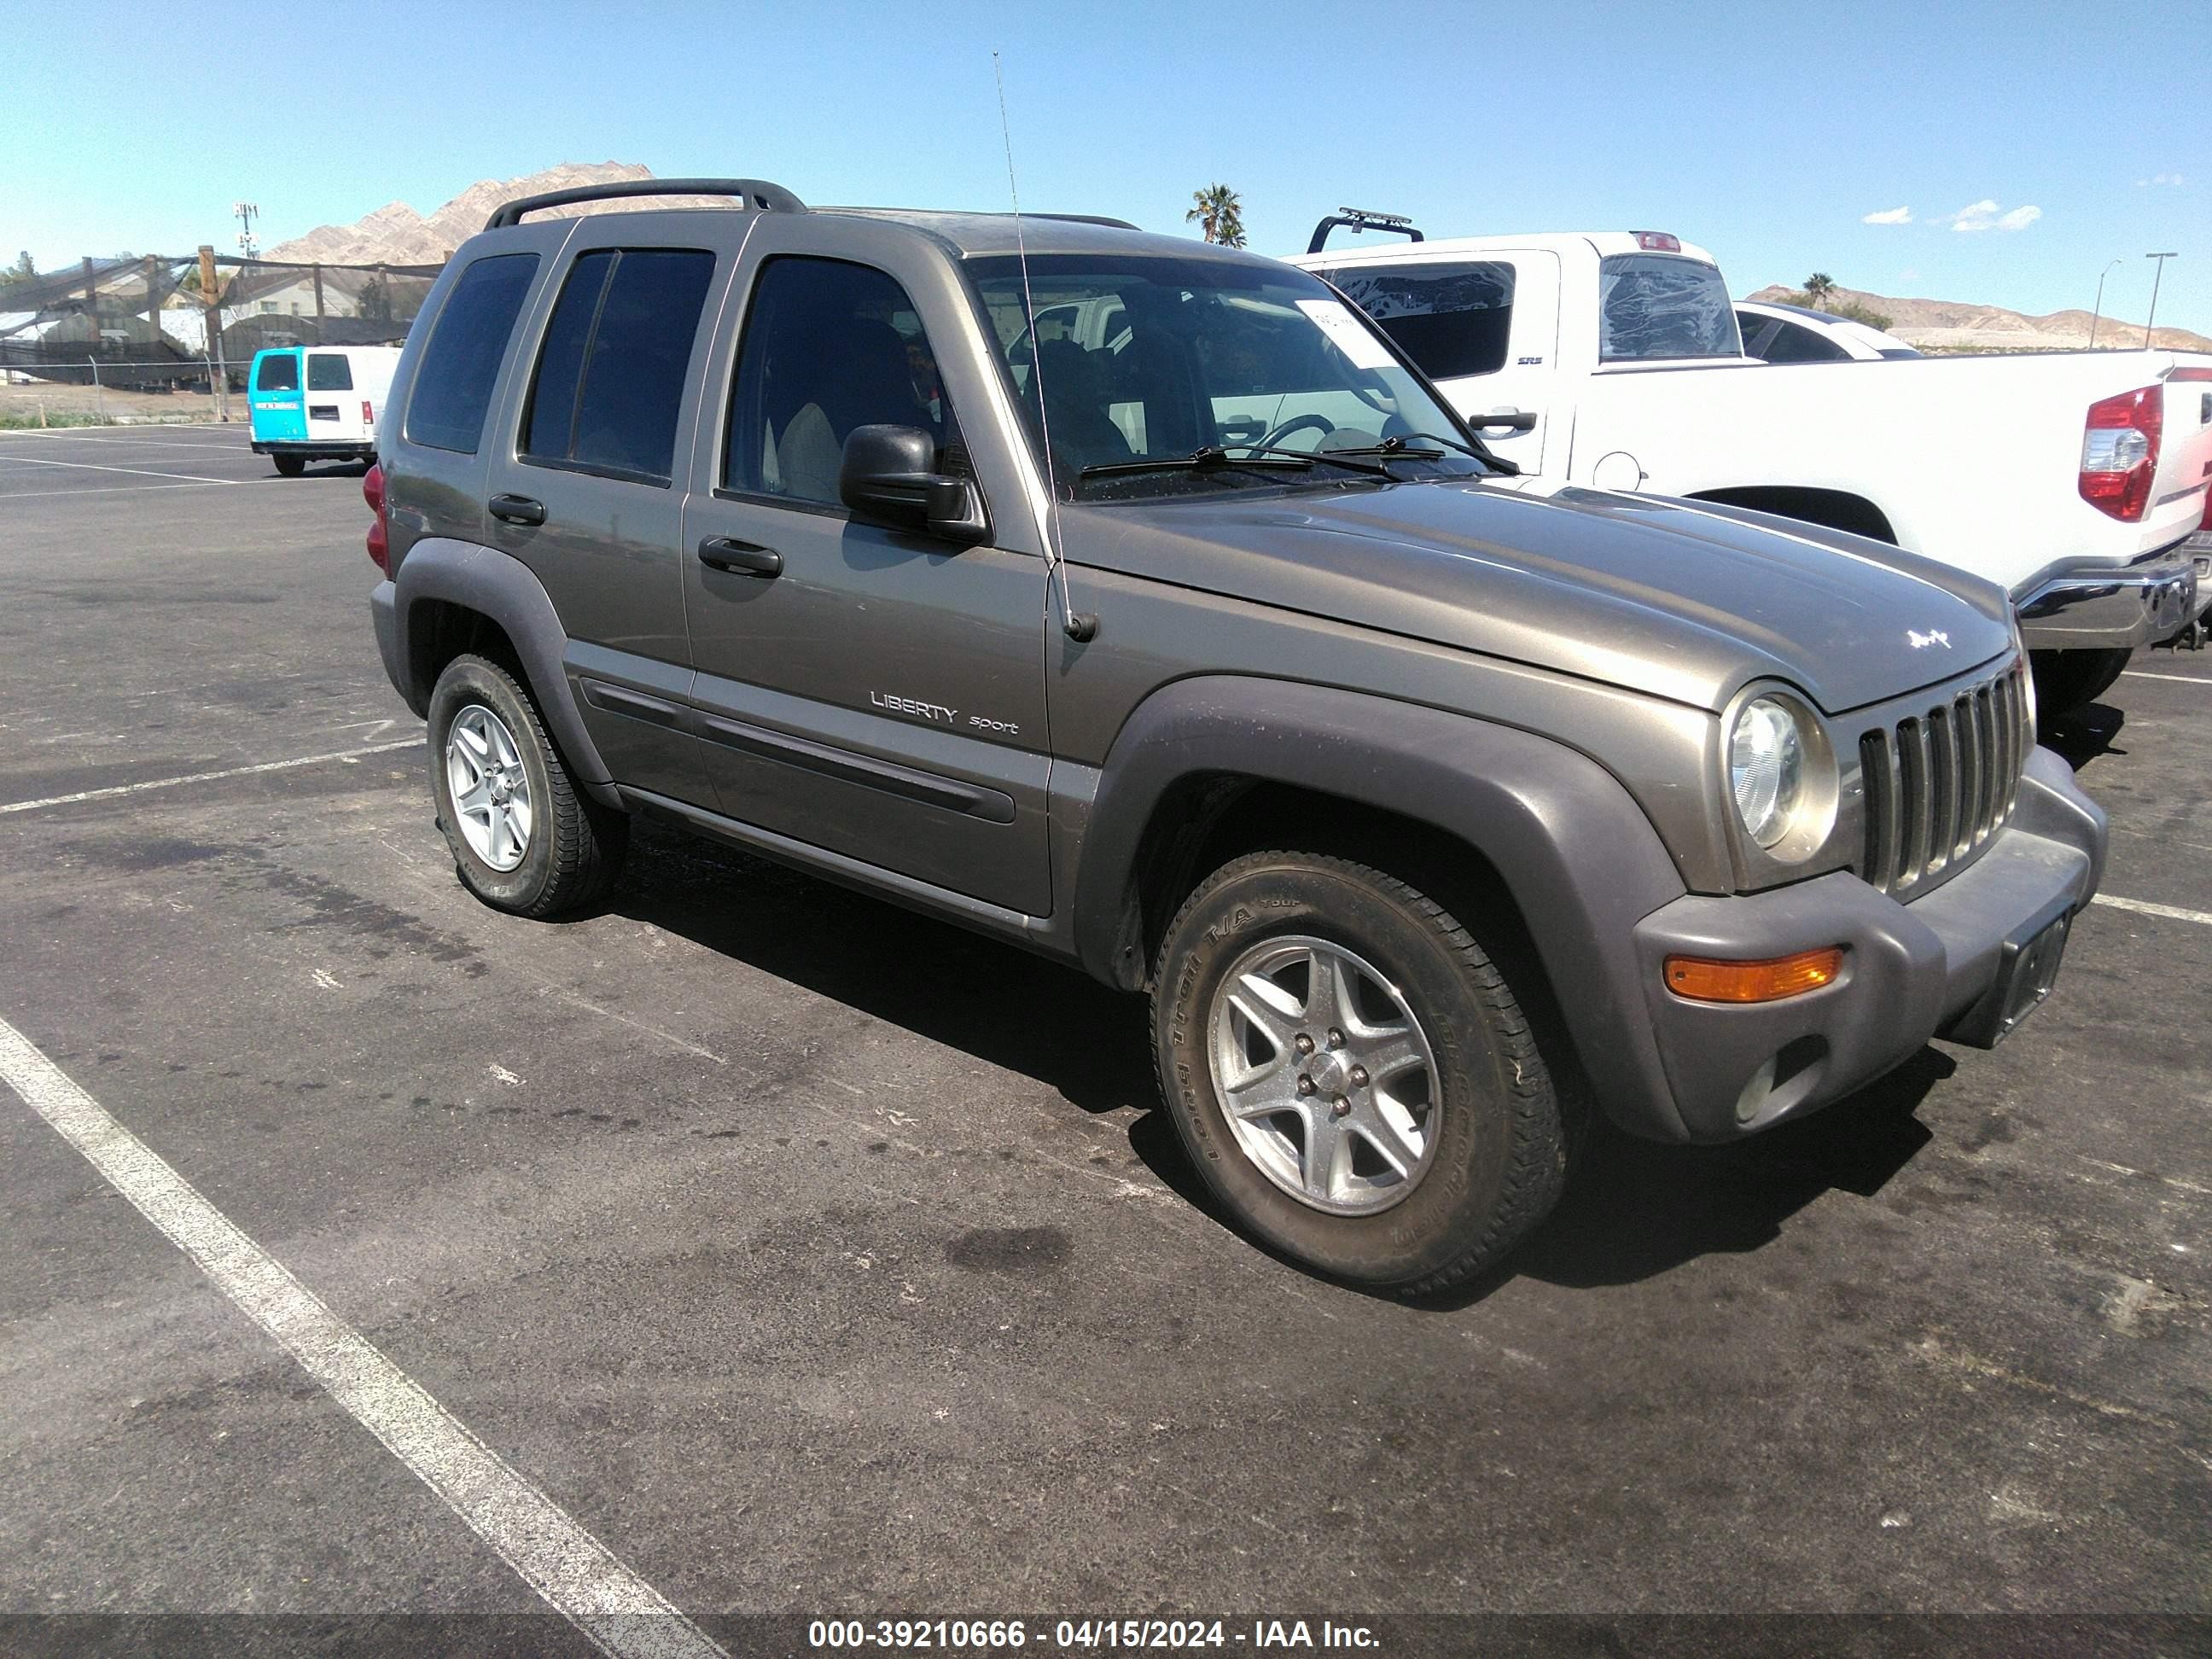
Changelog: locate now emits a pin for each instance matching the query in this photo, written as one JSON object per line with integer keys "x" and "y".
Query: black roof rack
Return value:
{"x": 1359, "y": 219}
{"x": 760, "y": 194}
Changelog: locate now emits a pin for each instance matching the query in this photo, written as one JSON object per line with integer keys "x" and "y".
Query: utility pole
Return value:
{"x": 2097, "y": 310}
{"x": 2160, "y": 272}
{"x": 245, "y": 213}
{"x": 218, "y": 376}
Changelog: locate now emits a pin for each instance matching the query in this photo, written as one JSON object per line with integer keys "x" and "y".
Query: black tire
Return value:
{"x": 576, "y": 845}
{"x": 289, "y": 466}
{"x": 2068, "y": 680}
{"x": 1501, "y": 1153}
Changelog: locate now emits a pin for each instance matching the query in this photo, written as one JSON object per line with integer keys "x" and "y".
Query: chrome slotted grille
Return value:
{"x": 1940, "y": 782}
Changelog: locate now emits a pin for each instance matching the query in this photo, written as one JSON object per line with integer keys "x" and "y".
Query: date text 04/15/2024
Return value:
{"x": 1088, "y": 1635}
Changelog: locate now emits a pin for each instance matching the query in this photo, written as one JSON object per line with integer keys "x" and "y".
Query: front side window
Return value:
{"x": 279, "y": 372}
{"x": 460, "y": 364}
{"x": 1141, "y": 358}
{"x": 329, "y": 372}
{"x": 828, "y": 346}
{"x": 1655, "y": 305}
{"x": 609, "y": 389}
{"x": 1451, "y": 318}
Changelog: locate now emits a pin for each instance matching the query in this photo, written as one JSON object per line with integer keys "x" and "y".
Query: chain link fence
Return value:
{"x": 157, "y": 337}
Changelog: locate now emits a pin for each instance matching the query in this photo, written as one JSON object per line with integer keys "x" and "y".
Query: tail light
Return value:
{"x": 2120, "y": 453}
{"x": 367, "y": 413}
{"x": 1658, "y": 241}
{"x": 379, "y": 539}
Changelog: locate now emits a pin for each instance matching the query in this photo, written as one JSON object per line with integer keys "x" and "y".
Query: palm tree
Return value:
{"x": 1819, "y": 289}
{"x": 1219, "y": 215}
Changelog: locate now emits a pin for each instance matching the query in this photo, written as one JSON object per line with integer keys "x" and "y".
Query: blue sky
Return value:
{"x": 1767, "y": 133}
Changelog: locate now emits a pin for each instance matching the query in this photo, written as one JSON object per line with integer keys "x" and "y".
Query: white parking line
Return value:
{"x": 2144, "y": 907}
{"x": 89, "y": 435}
{"x": 578, "y": 1575}
{"x": 205, "y": 777}
{"x": 110, "y": 490}
{"x": 2185, "y": 679}
{"x": 88, "y": 466}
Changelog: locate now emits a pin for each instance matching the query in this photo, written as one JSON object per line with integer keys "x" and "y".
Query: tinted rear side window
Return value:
{"x": 1657, "y": 306}
{"x": 454, "y": 385}
{"x": 1795, "y": 344}
{"x": 279, "y": 373}
{"x": 328, "y": 372}
{"x": 610, "y": 383}
{"x": 1451, "y": 318}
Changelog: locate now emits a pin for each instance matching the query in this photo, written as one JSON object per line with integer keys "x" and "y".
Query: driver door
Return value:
{"x": 874, "y": 693}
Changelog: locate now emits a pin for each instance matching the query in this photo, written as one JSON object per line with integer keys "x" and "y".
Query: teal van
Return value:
{"x": 318, "y": 403}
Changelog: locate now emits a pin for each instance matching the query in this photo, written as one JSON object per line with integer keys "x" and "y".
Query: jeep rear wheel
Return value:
{"x": 524, "y": 838}
{"x": 1350, "y": 1073}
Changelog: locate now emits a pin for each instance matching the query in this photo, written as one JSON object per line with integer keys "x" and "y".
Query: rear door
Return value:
{"x": 334, "y": 406}
{"x": 278, "y": 402}
{"x": 584, "y": 485}
{"x": 1484, "y": 328}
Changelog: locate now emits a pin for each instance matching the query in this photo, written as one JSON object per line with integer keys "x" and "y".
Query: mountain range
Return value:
{"x": 1953, "y": 326}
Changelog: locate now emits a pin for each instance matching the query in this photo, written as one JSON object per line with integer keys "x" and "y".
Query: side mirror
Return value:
{"x": 885, "y": 479}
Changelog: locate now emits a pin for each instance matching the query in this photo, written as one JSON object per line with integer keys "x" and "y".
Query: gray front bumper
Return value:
{"x": 2080, "y": 604}
{"x": 1911, "y": 972}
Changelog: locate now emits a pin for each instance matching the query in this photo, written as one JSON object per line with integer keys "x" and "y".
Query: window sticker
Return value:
{"x": 1346, "y": 334}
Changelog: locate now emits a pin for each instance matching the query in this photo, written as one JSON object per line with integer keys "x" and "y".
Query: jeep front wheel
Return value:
{"x": 1350, "y": 1073}
{"x": 524, "y": 838}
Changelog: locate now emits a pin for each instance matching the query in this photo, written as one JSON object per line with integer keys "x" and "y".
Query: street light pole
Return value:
{"x": 2162, "y": 258}
{"x": 2098, "y": 310}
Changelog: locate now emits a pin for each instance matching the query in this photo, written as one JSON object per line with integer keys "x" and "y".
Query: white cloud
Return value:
{"x": 2159, "y": 179}
{"x": 1910, "y": 274}
{"x": 1985, "y": 215}
{"x": 1889, "y": 217}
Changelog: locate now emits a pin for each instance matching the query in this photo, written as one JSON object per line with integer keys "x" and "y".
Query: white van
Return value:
{"x": 318, "y": 403}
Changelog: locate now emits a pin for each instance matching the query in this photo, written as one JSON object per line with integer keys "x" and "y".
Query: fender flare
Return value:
{"x": 1578, "y": 853}
{"x": 504, "y": 589}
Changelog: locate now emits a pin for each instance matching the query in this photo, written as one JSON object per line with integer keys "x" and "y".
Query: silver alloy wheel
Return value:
{"x": 489, "y": 786}
{"x": 1326, "y": 1077}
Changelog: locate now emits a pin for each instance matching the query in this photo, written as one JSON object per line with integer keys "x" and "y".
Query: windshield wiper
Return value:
{"x": 1402, "y": 448}
{"x": 1212, "y": 458}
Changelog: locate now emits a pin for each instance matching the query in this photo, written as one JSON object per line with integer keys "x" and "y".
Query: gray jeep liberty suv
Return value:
{"x": 1136, "y": 600}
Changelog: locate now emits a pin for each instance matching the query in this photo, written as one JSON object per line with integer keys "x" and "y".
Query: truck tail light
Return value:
{"x": 379, "y": 540}
{"x": 2120, "y": 453}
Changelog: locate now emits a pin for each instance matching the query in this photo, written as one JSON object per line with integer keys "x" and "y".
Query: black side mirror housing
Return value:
{"x": 885, "y": 477}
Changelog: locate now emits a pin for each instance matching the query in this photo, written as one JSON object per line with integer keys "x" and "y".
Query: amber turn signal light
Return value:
{"x": 1705, "y": 980}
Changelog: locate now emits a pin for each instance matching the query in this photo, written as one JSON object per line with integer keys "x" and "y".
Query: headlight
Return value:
{"x": 1766, "y": 767}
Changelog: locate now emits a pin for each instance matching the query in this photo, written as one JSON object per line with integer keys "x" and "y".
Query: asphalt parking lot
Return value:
{"x": 818, "y": 1259}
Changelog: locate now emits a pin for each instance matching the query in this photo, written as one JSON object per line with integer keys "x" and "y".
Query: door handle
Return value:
{"x": 1514, "y": 420}
{"x": 517, "y": 509}
{"x": 728, "y": 553}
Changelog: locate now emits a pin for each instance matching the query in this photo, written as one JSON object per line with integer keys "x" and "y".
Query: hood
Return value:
{"x": 1664, "y": 596}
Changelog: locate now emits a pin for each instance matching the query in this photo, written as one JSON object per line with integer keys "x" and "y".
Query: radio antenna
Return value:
{"x": 1078, "y": 625}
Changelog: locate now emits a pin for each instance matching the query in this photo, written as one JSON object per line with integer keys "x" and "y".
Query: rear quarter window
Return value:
{"x": 1654, "y": 305}
{"x": 460, "y": 364}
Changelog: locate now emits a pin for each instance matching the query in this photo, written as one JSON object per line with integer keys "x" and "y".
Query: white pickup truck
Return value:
{"x": 2079, "y": 480}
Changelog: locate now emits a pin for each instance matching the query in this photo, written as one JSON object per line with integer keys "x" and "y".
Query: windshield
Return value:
{"x": 1148, "y": 358}
{"x": 1653, "y": 305}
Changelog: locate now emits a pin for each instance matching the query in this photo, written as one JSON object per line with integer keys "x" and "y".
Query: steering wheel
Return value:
{"x": 1321, "y": 423}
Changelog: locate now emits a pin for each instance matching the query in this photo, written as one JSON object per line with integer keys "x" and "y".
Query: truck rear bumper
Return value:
{"x": 2080, "y": 604}
{"x": 1941, "y": 966}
